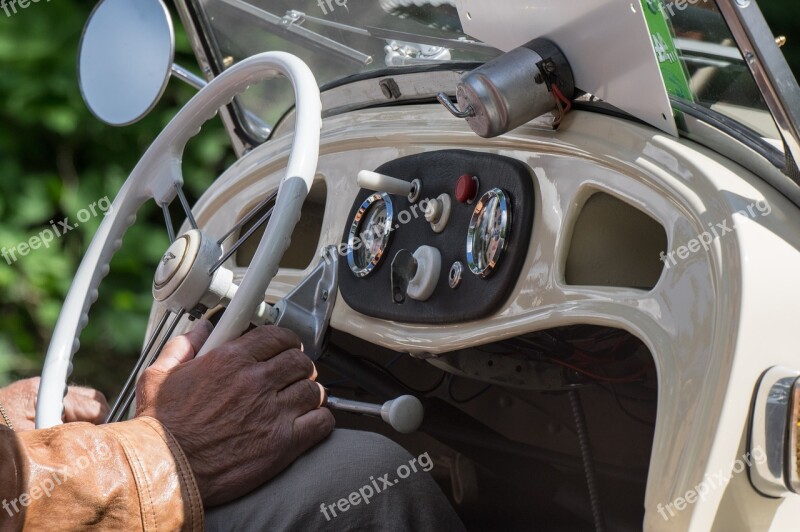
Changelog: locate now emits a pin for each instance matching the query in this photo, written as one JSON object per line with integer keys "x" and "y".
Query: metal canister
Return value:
{"x": 512, "y": 89}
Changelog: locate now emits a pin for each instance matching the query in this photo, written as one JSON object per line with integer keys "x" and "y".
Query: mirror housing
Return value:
{"x": 125, "y": 59}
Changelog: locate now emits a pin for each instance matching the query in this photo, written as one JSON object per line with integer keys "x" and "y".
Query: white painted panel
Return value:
{"x": 607, "y": 42}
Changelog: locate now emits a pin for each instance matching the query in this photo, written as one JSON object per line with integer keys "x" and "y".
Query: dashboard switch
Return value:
{"x": 466, "y": 188}
{"x": 437, "y": 212}
{"x": 429, "y": 267}
{"x": 404, "y": 268}
{"x": 390, "y": 185}
{"x": 415, "y": 276}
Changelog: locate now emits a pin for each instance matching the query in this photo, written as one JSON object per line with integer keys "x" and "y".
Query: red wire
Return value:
{"x": 582, "y": 371}
{"x": 560, "y": 96}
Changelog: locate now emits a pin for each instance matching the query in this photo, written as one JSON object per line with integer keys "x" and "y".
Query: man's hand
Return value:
{"x": 81, "y": 404}
{"x": 242, "y": 413}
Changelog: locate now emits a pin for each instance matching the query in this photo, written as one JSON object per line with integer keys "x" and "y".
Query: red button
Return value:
{"x": 466, "y": 188}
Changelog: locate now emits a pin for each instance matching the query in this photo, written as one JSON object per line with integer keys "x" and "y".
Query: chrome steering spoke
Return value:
{"x": 168, "y": 222}
{"x": 228, "y": 254}
{"x": 147, "y": 358}
{"x": 186, "y": 208}
{"x": 241, "y": 223}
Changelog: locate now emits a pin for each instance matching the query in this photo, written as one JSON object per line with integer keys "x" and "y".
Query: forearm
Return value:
{"x": 130, "y": 476}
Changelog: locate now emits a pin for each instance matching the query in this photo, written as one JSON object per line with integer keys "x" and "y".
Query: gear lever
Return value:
{"x": 404, "y": 414}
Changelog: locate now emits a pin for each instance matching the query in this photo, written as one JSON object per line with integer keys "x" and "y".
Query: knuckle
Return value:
{"x": 301, "y": 362}
{"x": 283, "y": 334}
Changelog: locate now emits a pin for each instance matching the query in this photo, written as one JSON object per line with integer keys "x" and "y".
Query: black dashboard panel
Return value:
{"x": 475, "y": 297}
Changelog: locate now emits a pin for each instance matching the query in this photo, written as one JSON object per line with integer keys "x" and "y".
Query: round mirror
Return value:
{"x": 126, "y": 55}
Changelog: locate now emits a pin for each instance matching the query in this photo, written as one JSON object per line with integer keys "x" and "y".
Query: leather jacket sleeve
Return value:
{"x": 123, "y": 476}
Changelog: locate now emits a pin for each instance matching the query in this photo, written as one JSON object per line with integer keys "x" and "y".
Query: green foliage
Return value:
{"x": 56, "y": 159}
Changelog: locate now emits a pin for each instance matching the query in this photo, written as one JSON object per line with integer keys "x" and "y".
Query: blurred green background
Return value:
{"x": 56, "y": 159}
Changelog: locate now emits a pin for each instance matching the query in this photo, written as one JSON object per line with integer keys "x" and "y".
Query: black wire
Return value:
{"x": 465, "y": 400}
{"x": 586, "y": 456}
{"x": 400, "y": 382}
{"x": 628, "y": 412}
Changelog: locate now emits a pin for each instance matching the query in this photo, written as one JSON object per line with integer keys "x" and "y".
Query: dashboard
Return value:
{"x": 437, "y": 237}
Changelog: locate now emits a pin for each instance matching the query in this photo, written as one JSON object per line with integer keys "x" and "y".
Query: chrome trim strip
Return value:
{"x": 769, "y": 69}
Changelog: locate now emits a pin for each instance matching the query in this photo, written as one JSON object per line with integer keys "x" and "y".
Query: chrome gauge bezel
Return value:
{"x": 355, "y": 231}
{"x": 502, "y": 238}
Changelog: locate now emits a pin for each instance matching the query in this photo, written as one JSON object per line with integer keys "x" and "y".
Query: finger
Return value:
{"x": 183, "y": 348}
{"x": 312, "y": 428}
{"x": 285, "y": 369}
{"x": 263, "y": 343}
{"x": 302, "y": 397}
{"x": 85, "y": 404}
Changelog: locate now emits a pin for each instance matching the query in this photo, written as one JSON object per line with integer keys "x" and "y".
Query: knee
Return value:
{"x": 368, "y": 452}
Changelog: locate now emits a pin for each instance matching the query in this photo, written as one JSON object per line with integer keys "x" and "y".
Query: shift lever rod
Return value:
{"x": 404, "y": 414}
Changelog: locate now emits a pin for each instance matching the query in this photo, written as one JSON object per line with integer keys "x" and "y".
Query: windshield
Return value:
{"x": 342, "y": 38}
{"x": 337, "y": 39}
{"x": 716, "y": 73}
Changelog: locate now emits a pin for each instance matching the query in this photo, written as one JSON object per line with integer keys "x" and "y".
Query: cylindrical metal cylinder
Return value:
{"x": 514, "y": 88}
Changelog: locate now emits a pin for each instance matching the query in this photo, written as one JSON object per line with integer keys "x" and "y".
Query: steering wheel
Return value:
{"x": 189, "y": 277}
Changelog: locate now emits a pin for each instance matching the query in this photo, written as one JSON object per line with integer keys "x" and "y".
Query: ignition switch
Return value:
{"x": 415, "y": 276}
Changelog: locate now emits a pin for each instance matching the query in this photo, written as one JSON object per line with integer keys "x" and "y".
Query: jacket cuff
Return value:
{"x": 123, "y": 476}
{"x": 168, "y": 495}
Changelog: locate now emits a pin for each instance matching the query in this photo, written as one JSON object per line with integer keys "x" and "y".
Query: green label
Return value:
{"x": 673, "y": 70}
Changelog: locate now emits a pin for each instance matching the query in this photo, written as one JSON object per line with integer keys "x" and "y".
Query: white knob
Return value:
{"x": 433, "y": 212}
{"x": 429, "y": 266}
{"x": 384, "y": 183}
{"x": 404, "y": 414}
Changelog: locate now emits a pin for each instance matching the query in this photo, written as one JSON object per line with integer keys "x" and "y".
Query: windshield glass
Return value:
{"x": 342, "y": 38}
{"x": 337, "y": 39}
{"x": 717, "y": 75}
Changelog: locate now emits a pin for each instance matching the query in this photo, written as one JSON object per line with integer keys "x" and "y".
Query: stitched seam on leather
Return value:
{"x": 185, "y": 471}
{"x": 139, "y": 475}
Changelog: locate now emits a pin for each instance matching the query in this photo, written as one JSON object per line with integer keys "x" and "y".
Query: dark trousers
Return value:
{"x": 351, "y": 481}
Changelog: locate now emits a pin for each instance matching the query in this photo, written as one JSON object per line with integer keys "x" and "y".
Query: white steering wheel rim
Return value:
{"x": 157, "y": 176}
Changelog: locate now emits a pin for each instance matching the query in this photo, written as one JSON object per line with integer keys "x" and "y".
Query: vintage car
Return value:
{"x": 548, "y": 243}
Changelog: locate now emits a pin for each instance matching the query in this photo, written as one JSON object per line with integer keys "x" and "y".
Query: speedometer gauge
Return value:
{"x": 369, "y": 234}
{"x": 488, "y": 232}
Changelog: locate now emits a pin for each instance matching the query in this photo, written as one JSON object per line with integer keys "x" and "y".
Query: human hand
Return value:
{"x": 242, "y": 413}
{"x": 80, "y": 404}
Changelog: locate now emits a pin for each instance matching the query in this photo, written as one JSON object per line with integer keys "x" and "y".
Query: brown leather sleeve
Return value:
{"x": 123, "y": 476}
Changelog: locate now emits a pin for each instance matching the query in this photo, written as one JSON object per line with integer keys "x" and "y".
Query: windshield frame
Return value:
{"x": 766, "y": 63}
{"x": 771, "y": 72}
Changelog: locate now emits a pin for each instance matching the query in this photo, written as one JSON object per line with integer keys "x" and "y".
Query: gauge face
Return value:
{"x": 370, "y": 233}
{"x": 488, "y": 232}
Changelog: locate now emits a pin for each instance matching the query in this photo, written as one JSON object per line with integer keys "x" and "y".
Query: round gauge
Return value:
{"x": 370, "y": 233}
{"x": 488, "y": 232}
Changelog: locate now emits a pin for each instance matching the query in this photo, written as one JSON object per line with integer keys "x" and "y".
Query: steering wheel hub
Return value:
{"x": 171, "y": 262}
{"x": 184, "y": 278}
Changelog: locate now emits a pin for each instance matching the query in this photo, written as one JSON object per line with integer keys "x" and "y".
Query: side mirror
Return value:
{"x": 125, "y": 59}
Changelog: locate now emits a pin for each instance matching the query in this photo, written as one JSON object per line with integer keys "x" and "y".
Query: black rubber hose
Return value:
{"x": 586, "y": 456}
